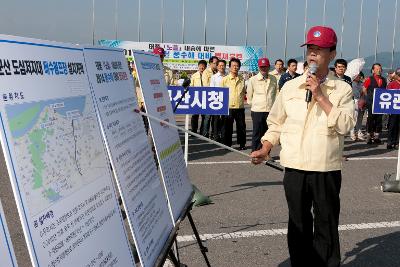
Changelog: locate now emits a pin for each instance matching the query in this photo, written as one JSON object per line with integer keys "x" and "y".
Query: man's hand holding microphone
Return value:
{"x": 313, "y": 84}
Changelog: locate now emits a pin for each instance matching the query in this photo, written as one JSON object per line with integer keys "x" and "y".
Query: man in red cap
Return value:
{"x": 311, "y": 135}
{"x": 168, "y": 75}
{"x": 261, "y": 92}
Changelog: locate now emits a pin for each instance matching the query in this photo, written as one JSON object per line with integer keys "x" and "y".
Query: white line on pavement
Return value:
{"x": 248, "y": 161}
{"x": 283, "y": 231}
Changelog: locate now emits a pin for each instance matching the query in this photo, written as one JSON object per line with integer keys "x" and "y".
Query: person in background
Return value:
{"x": 394, "y": 119}
{"x": 357, "y": 85}
{"x": 199, "y": 79}
{"x": 261, "y": 93}
{"x": 207, "y": 119}
{"x": 311, "y": 137}
{"x": 217, "y": 120}
{"x": 168, "y": 75}
{"x": 391, "y": 76}
{"x": 374, "y": 121}
{"x": 212, "y": 66}
{"x": 340, "y": 69}
{"x": 139, "y": 95}
{"x": 290, "y": 74}
{"x": 235, "y": 82}
{"x": 279, "y": 69}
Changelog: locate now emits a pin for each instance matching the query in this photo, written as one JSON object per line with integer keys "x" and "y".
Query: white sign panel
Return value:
{"x": 131, "y": 156}
{"x": 56, "y": 158}
{"x": 186, "y": 56}
{"x": 166, "y": 140}
{"x": 7, "y": 256}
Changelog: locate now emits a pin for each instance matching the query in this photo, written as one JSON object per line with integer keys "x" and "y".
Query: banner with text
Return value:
{"x": 7, "y": 255}
{"x": 386, "y": 101}
{"x": 200, "y": 100}
{"x": 166, "y": 140}
{"x": 55, "y": 157}
{"x": 186, "y": 56}
{"x": 130, "y": 153}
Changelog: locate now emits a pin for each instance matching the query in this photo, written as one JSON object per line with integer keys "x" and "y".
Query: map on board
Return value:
{"x": 57, "y": 147}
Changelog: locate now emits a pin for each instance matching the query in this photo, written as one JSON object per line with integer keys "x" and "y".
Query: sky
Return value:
{"x": 71, "y": 21}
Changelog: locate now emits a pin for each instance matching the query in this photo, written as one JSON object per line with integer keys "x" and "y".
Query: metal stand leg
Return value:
{"x": 203, "y": 249}
{"x": 173, "y": 258}
{"x": 177, "y": 250}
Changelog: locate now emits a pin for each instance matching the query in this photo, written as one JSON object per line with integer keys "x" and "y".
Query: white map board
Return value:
{"x": 133, "y": 163}
{"x": 56, "y": 158}
{"x": 166, "y": 140}
{"x": 7, "y": 256}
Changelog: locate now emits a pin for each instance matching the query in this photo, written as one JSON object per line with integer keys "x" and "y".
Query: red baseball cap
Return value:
{"x": 263, "y": 62}
{"x": 159, "y": 51}
{"x": 321, "y": 36}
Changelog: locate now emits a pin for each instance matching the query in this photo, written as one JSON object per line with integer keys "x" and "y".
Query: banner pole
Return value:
{"x": 286, "y": 28}
{"x": 226, "y": 22}
{"x": 93, "y": 22}
{"x": 186, "y": 151}
{"x": 377, "y": 29}
{"x": 204, "y": 138}
{"x": 398, "y": 165}
{"x": 394, "y": 34}
{"x": 359, "y": 29}
{"x": 342, "y": 30}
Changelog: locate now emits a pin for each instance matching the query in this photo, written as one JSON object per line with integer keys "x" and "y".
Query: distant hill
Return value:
{"x": 384, "y": 58}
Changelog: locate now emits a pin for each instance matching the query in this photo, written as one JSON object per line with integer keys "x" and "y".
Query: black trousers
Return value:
{"x": 374, "y": 121}
{"x": 216, "y": 126}
{"x": 313, "y": 241}
{"x": 393, "y": 132}
{"x": 194, "y": 122}
{"x": 259, "y": 128}
{"x": 237, "y": 115}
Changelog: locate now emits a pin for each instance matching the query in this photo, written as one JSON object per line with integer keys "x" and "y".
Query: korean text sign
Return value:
{"x": 200, "y": 100}
{"x": 55, "y": 157}
{"x": 186, "y": 56}
{"x": 130, "y": 153}
{"x": 386, "y": 101}
{"x": 167, "y": 144}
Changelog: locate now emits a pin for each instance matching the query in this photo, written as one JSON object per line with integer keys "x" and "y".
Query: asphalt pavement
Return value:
{"x": 246, "y": 224}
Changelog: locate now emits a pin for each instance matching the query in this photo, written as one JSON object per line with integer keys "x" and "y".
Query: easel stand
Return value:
{"x": 168, "y": 250}
{"x": 390, "y": 183}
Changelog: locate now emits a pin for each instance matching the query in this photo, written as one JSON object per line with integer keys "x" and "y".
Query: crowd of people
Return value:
{"x": 310, "y": 130}
{"x": 260, "y": 89}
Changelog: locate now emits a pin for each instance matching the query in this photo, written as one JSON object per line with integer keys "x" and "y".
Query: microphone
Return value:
{"x": 186, "y": 83}
{"x": 312, "y": 70}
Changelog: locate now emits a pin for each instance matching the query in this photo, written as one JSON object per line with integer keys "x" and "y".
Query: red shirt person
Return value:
{"x": 374, "y": 121}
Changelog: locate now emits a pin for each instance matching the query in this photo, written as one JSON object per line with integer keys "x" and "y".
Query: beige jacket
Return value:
{"x": 195, "y": 80}
{"x": 237, "y": 90}
{"x": 261, "y": 93}
{"x": 168, "y": 76}
{"x": 276, "y": 74}
{"x": 310, "y": 139}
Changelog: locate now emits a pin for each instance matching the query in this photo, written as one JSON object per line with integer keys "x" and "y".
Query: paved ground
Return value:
{"x": 246, "y": 224}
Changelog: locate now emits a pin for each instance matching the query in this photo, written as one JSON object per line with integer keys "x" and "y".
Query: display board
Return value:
{"x": 56, "y": 158}
{"x": 129, "y": 150}
{"x": 166, "y": 140}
